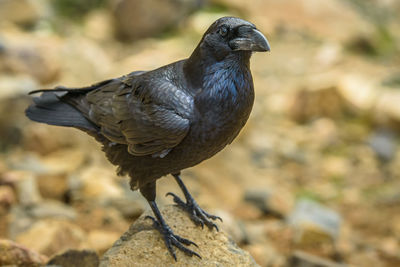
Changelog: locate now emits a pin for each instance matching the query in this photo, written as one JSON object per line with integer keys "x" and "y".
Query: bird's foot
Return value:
{"x": 172, "y": 239}
{"x": 197, "y": 214}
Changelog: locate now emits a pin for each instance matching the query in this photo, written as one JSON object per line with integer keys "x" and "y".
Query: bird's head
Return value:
{"x": 230, "y": 34}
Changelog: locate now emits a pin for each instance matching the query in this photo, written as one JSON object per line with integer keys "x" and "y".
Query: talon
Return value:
{"x": 215, "y": 226}
{"x": 170, "y": 194}
{"x": 186, "y": 241}
{"x": 151, "y": 218}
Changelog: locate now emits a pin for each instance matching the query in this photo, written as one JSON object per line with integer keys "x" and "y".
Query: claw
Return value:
{"x": 170, "y": 194}
{"x": 151, "y": 218}
{"x": 171, "y": 240}
{"x": 186, "y": 241}
{"x": 197, "y": 215}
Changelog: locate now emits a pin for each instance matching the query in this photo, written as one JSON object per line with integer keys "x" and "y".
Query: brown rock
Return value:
{"x": 137, "y": 19}
{"x": 63, "y": 161}
{"x": 314, "y": 224}
{"x": 331, "y": 19}
{"x": 53, "y": 186}
{"x": 44, "y": 139}
{"x": 100, "y": 240}
{"x": 37, "y": 57}
{"x": 98, "y": 183}
{"x": 21, "y": 11}
{"x": 265, "y": 255}
{"x": 73, "y": 258}
{"x": 303, "y": 259}
{"x": 310, "y": 103}
{"x": 17, "y": 255}
{"x": 141, "y": 245}
{"x": 52, "y": 236}
{"x": 7, "y": 196}
{"x": 27, "y": 189}
{"x": 271, "y": 201}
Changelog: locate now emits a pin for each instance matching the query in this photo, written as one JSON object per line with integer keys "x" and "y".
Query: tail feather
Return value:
{"x": 48, "y": 108}
{"x": 73, "y": 90}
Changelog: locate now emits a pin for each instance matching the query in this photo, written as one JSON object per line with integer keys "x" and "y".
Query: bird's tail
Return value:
{"x": 49, "y": 108}
{"x": 62, "y": 106}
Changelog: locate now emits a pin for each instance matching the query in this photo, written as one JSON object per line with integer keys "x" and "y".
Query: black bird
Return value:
{"x": 159, "y": 122}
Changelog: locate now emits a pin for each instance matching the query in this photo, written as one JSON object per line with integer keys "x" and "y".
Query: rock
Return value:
{"x": 330, "y": 20}
{"x": 25, "y": 12}
{"x": 44, "y": 139}
{"x": 200, "y": 21}
{"x": 27, "y": 189}
{"x": 358, "y": 91}
{"x": 98, "y": 25}
{"x": 150, "y": 17}
{"x": 26, "y": 164}
{"x": 51, "y": 209}
{"x": 141, "y": 245}
{"x": 84, "y": 61}
{"x": 51, "y": 236}
{"x": 314, "y": 223}
{"x": 232, "y": 227}
{"x": 255, "y": 232}
{"x": 369, "y": 258}
{"x": 316, "y": 101}
{"x": 100, "y": 240}
{"x": 13, "y": 254}
{"x": 247, "y": 211}
{"x": 23, "y": 217}
{"x": 265, "y": 255}
{"x": 63, "y": 161}
{"x": 12, "y": 86}
{"x": 99, "y": 217}
{"x": 7, "y": 196}
{"x": 73, "y": 258}
{"x": 387, "y": 107}
{"x": 12, "y": 119}
{"x": 37, "y": 57}
{"x": 384, "y": 144}
{"x": 53, "y": 186}
{"x": 131, "y": 206}
{"x": 303, "y": 259}
{"x": 324, "y": 132}
{"x": 96, "y": 183}
{"x": 336, "y": 166}
{"x": 272, "y": 202}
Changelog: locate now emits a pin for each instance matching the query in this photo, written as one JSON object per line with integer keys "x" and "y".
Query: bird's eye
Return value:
{"x": 223, "y": 31}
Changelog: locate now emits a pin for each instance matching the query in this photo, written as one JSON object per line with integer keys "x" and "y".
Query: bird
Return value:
{"x": 160, "y": 122}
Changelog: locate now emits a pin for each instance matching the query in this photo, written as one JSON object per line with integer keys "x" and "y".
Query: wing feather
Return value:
{"x": 145, "y": 115}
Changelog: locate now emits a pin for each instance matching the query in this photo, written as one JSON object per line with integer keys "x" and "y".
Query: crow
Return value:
{"x": 159, "y": 122}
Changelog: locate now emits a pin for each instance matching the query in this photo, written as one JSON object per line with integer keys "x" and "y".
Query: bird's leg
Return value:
{"x": 197, "y": 214}
{"x": 170, "y": 239}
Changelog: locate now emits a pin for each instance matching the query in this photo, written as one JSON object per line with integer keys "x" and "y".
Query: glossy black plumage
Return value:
{"x": 162, "y": 121}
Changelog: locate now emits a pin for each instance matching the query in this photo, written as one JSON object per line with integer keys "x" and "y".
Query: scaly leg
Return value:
{"x": 170, "y": 239}
{"x": 197, "y": 214}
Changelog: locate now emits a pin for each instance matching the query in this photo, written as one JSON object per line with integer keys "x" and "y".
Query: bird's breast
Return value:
{"x": 222, "y": 108}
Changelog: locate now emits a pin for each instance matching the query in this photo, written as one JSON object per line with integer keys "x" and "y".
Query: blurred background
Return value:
{"x": 315, "y": 172}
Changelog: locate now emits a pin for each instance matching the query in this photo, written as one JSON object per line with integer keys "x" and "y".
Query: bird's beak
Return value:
{"x": 250, "y": 39}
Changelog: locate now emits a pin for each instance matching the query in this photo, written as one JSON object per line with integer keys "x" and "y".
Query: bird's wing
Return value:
{"x": 150, "y": 116}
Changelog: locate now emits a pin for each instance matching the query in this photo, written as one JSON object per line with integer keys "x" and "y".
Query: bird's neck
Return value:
{"x": 221, "y": 85}
{"x": 204, "y": 64}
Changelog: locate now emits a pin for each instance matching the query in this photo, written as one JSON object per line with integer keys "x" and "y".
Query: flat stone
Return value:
{"x": 314, "y": 223}
{"x": 72, "y": 258}
{"x": 51, "y": 236}
{"x": 303, "y": 259}
{"x": 15, "y": 254}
